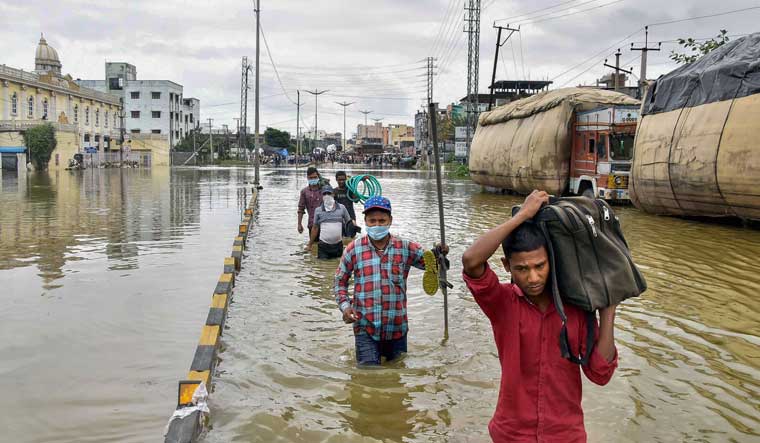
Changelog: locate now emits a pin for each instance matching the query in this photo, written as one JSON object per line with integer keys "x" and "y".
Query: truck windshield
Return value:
{"x": 621, "y": 146}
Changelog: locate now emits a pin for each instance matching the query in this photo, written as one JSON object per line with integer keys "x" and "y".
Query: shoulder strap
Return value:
{"x": 564, "y": 342}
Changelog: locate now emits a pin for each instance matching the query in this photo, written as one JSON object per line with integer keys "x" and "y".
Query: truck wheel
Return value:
{"x": 588, "y": 192}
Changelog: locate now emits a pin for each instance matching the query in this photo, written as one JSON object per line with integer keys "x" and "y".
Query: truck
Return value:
{"x": 571, "y": 141}
{"x": 600, "y": 162}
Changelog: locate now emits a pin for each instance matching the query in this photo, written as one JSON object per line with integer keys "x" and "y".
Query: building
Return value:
{"x": 506, "y": 91}
{"x": 608, "y": 82}
{"x": 374, "y": 131}
{"x": 84, "y": 119}
{"x": 155, "y": 107}
{"x": 399, "y": 134}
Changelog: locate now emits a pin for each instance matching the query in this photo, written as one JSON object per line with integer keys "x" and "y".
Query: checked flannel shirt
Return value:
{"x": 379, "y": 285}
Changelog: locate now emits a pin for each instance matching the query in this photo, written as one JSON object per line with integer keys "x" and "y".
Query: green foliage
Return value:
{"x": 40, "y": 142}
{"x": 459, "y": 171}
{"x": 697, "y": 49}
{"x": 276, "y": 138}
{"x": 445, "y": 129}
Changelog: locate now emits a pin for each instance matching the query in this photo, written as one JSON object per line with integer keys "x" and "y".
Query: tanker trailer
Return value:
{"x": 697, "y": 151}
{"x": 566, "y": 141}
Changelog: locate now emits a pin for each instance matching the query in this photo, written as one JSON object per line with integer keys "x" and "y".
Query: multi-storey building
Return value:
{"x": 83, "y": 118}
{"x": 151, "y": 106}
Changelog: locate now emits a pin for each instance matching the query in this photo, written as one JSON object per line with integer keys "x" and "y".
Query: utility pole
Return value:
{"x": 316, "y": 93}
{"x": 256, "y": 141}
{"x": 237, "y": 123}
{"x": 473, "y": 63}
{"x": 365, "y": 122}
{"x": 617, "y": 69}
{"x": 211, "y": 140}
{"x": 298, "y": 126}
{"x": 644, "y": 49}
{"x": 122, "y": 114}
{"x": 226, "y": 138}
{"x": 499, "y": 44}
{"x": 243, "y": 124}
{"x": 345, "y": 105}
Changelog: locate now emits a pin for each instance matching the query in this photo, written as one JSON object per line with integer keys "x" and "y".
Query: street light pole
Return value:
{"x": 256, "y": 92}
{"x": 316, "y": 93}
{"x": 365, "y": 121}
{"x": 345, "y": 105}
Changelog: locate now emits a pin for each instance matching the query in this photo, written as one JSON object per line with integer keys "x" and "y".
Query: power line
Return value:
{"x": 534, "y": 11}
{"x": 705, "y": 16}
{"x": 444, "y": 25}
{"x": 269, "y": 53}
{"x": 531, "y": 21}
{"x": 593, "y": 57}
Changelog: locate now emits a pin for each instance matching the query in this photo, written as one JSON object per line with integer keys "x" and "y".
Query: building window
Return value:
{"x": 87, "y": 115}
{"x": 155, "y": 131}
{"x": 135, "y": 114}
{"x": 135, "y": 131}
{"x": 155, "y": 95}
{"x": 30, "y": 112}
{"x": 76, "y": 113}
{"x": 115, "y": 124}
{"x": 134, "y": 95}
{"x": 105, "y": 119}
{"x": 97, "y": 117}
{"x": 45, "y": 109}
{"x": 191, "y": 118}
{"x": 155, "y": 114}
{"x": 115, "y": 83}
{"x": 14, "y": 104}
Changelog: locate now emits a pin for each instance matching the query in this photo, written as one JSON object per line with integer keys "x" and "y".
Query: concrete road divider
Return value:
{"x": 191, "y": 414}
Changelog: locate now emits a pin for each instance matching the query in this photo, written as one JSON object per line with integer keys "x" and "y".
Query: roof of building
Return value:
{"x": 46, "y": 54}
{"x": 521, "y": 84}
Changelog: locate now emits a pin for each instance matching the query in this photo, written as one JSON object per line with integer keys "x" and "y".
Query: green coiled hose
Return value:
{"x": 363, "y": 187}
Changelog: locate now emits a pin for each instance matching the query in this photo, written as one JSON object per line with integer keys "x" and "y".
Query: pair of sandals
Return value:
{"x": 432, "y": 279}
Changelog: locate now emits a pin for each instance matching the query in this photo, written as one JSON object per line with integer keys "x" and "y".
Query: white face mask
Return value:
{"x": 329, "y": 202}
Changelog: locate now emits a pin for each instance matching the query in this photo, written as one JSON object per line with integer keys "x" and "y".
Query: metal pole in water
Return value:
{"x": 432, "y": 107}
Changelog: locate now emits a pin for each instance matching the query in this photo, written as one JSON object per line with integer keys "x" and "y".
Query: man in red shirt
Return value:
{"x": 540, "y": 392}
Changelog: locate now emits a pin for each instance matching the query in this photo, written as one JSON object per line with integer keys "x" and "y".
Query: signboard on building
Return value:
{"x": 460, "y": 149}
{"x": 460, "y": 133}
{"x": 89, "y": 150}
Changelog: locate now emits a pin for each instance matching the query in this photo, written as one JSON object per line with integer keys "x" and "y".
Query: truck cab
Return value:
{"x": 600, "y": 163}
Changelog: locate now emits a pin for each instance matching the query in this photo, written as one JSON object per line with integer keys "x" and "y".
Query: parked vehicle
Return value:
{"x": 565, "y": 141}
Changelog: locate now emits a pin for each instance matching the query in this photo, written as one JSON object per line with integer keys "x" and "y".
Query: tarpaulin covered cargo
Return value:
{"x": 697, "y": 147}
{"x": 526, "y": 144}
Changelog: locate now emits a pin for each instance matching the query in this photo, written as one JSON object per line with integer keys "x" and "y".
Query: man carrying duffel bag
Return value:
{"x": 540, "y": 340}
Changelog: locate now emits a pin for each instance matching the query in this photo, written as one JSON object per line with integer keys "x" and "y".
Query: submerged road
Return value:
{"x": 689, "y": 363}
{"x": 106, "y": 278}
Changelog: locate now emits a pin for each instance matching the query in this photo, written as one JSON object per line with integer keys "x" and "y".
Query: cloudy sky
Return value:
{"x": 367, "y": 52}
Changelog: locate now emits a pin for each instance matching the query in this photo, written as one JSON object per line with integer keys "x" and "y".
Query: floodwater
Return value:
{"x": 689, "y": 348}
{"x": 107, "y": 277}
{"x": 105, "y": 281}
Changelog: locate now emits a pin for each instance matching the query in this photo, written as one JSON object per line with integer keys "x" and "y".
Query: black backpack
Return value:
{"x": 589, "y": 260}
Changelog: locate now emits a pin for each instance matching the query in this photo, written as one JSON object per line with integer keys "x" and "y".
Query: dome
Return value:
{"x": 46, "y": 58}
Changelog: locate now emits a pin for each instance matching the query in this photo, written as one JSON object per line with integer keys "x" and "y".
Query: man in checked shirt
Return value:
{"x": 380, "y": 263}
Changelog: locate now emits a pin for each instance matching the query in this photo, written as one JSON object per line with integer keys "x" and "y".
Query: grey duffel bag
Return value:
{"x": 591, "y": 265}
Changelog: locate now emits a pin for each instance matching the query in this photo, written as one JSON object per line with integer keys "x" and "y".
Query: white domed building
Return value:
{"x": 85, "y": 120}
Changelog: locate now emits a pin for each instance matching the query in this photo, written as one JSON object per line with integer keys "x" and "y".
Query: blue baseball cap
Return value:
{"x": 377, "y": 202}
{"x": 327, "y": 189}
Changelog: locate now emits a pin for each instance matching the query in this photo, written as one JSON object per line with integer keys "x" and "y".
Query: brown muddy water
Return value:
{"x": 107, "y": 277}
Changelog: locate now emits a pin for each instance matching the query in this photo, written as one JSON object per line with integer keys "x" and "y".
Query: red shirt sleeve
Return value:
{"x": 491, "y": 296}
{"x": 598, "y": 369}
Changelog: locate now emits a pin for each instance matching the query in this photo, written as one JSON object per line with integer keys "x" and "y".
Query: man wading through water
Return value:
{"x": 342, "y": 196}
{"x": 310, "y": 198}
{"x": 540, "y": 392}
{"x": 379, "y": 263}
{"x": 329, "y": 220}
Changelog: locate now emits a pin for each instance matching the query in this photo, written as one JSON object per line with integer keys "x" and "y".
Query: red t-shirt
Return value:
{"x": 540, "y": 392}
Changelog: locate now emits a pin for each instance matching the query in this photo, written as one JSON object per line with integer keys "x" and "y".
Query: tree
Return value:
{"x": 698, "y": 49}
{"x": 276, "y": 138}
{"x": 40, "y": 142}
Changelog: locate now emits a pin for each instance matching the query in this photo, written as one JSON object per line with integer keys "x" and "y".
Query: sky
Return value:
{"x": 369, "y": 53}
